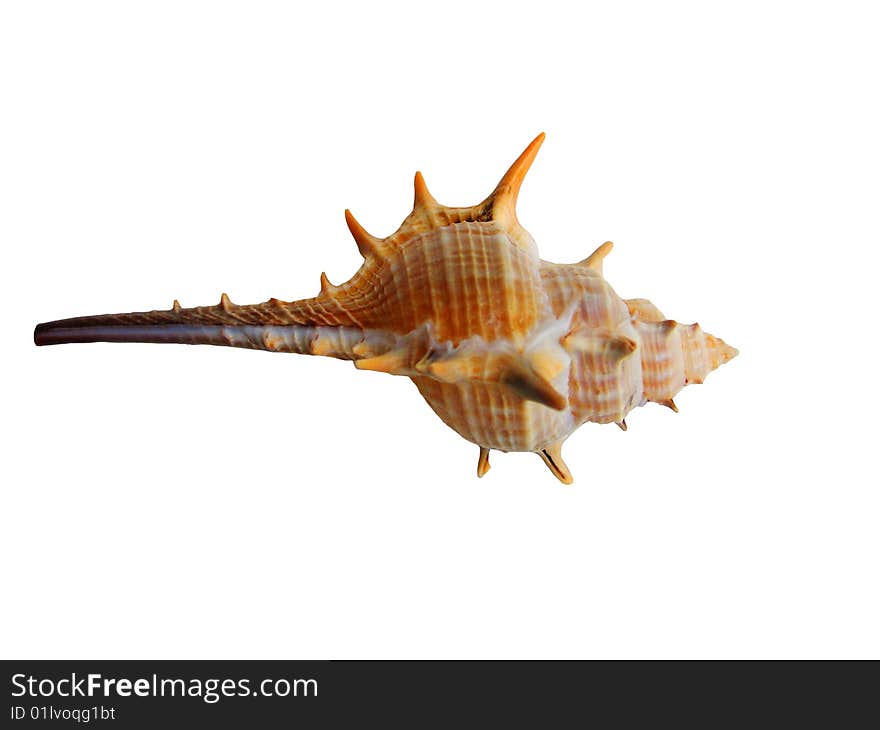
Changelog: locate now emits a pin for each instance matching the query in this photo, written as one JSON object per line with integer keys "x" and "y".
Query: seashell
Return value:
{"x": 512, "y": 352}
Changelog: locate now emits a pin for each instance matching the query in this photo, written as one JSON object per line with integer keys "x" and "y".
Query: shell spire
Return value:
{"x": 327, "y": 288}
{"x": 423, "y": 200}
{"x": 502, "y": 201}
{"x": 368, "y": 244}
{"x": 483, "y": 462}
{"x": 552, "y": 456}
{"x": 500, "y": 206}
{"x": 595, "y": 259}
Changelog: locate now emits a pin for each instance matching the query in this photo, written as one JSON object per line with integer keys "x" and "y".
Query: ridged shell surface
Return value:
{"x": 512, "y": 352}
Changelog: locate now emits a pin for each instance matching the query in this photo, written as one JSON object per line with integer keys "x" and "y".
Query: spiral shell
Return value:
{"x": 512, "y": 352}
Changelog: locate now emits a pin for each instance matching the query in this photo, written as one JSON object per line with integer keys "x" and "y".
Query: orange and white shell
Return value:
{"x": 512, "y": 352}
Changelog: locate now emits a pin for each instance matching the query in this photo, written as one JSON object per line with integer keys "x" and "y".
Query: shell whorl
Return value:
{"x": 512, "y": 352}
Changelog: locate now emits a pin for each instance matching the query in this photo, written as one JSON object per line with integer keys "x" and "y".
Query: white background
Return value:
{"x": 203, "y": 502}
